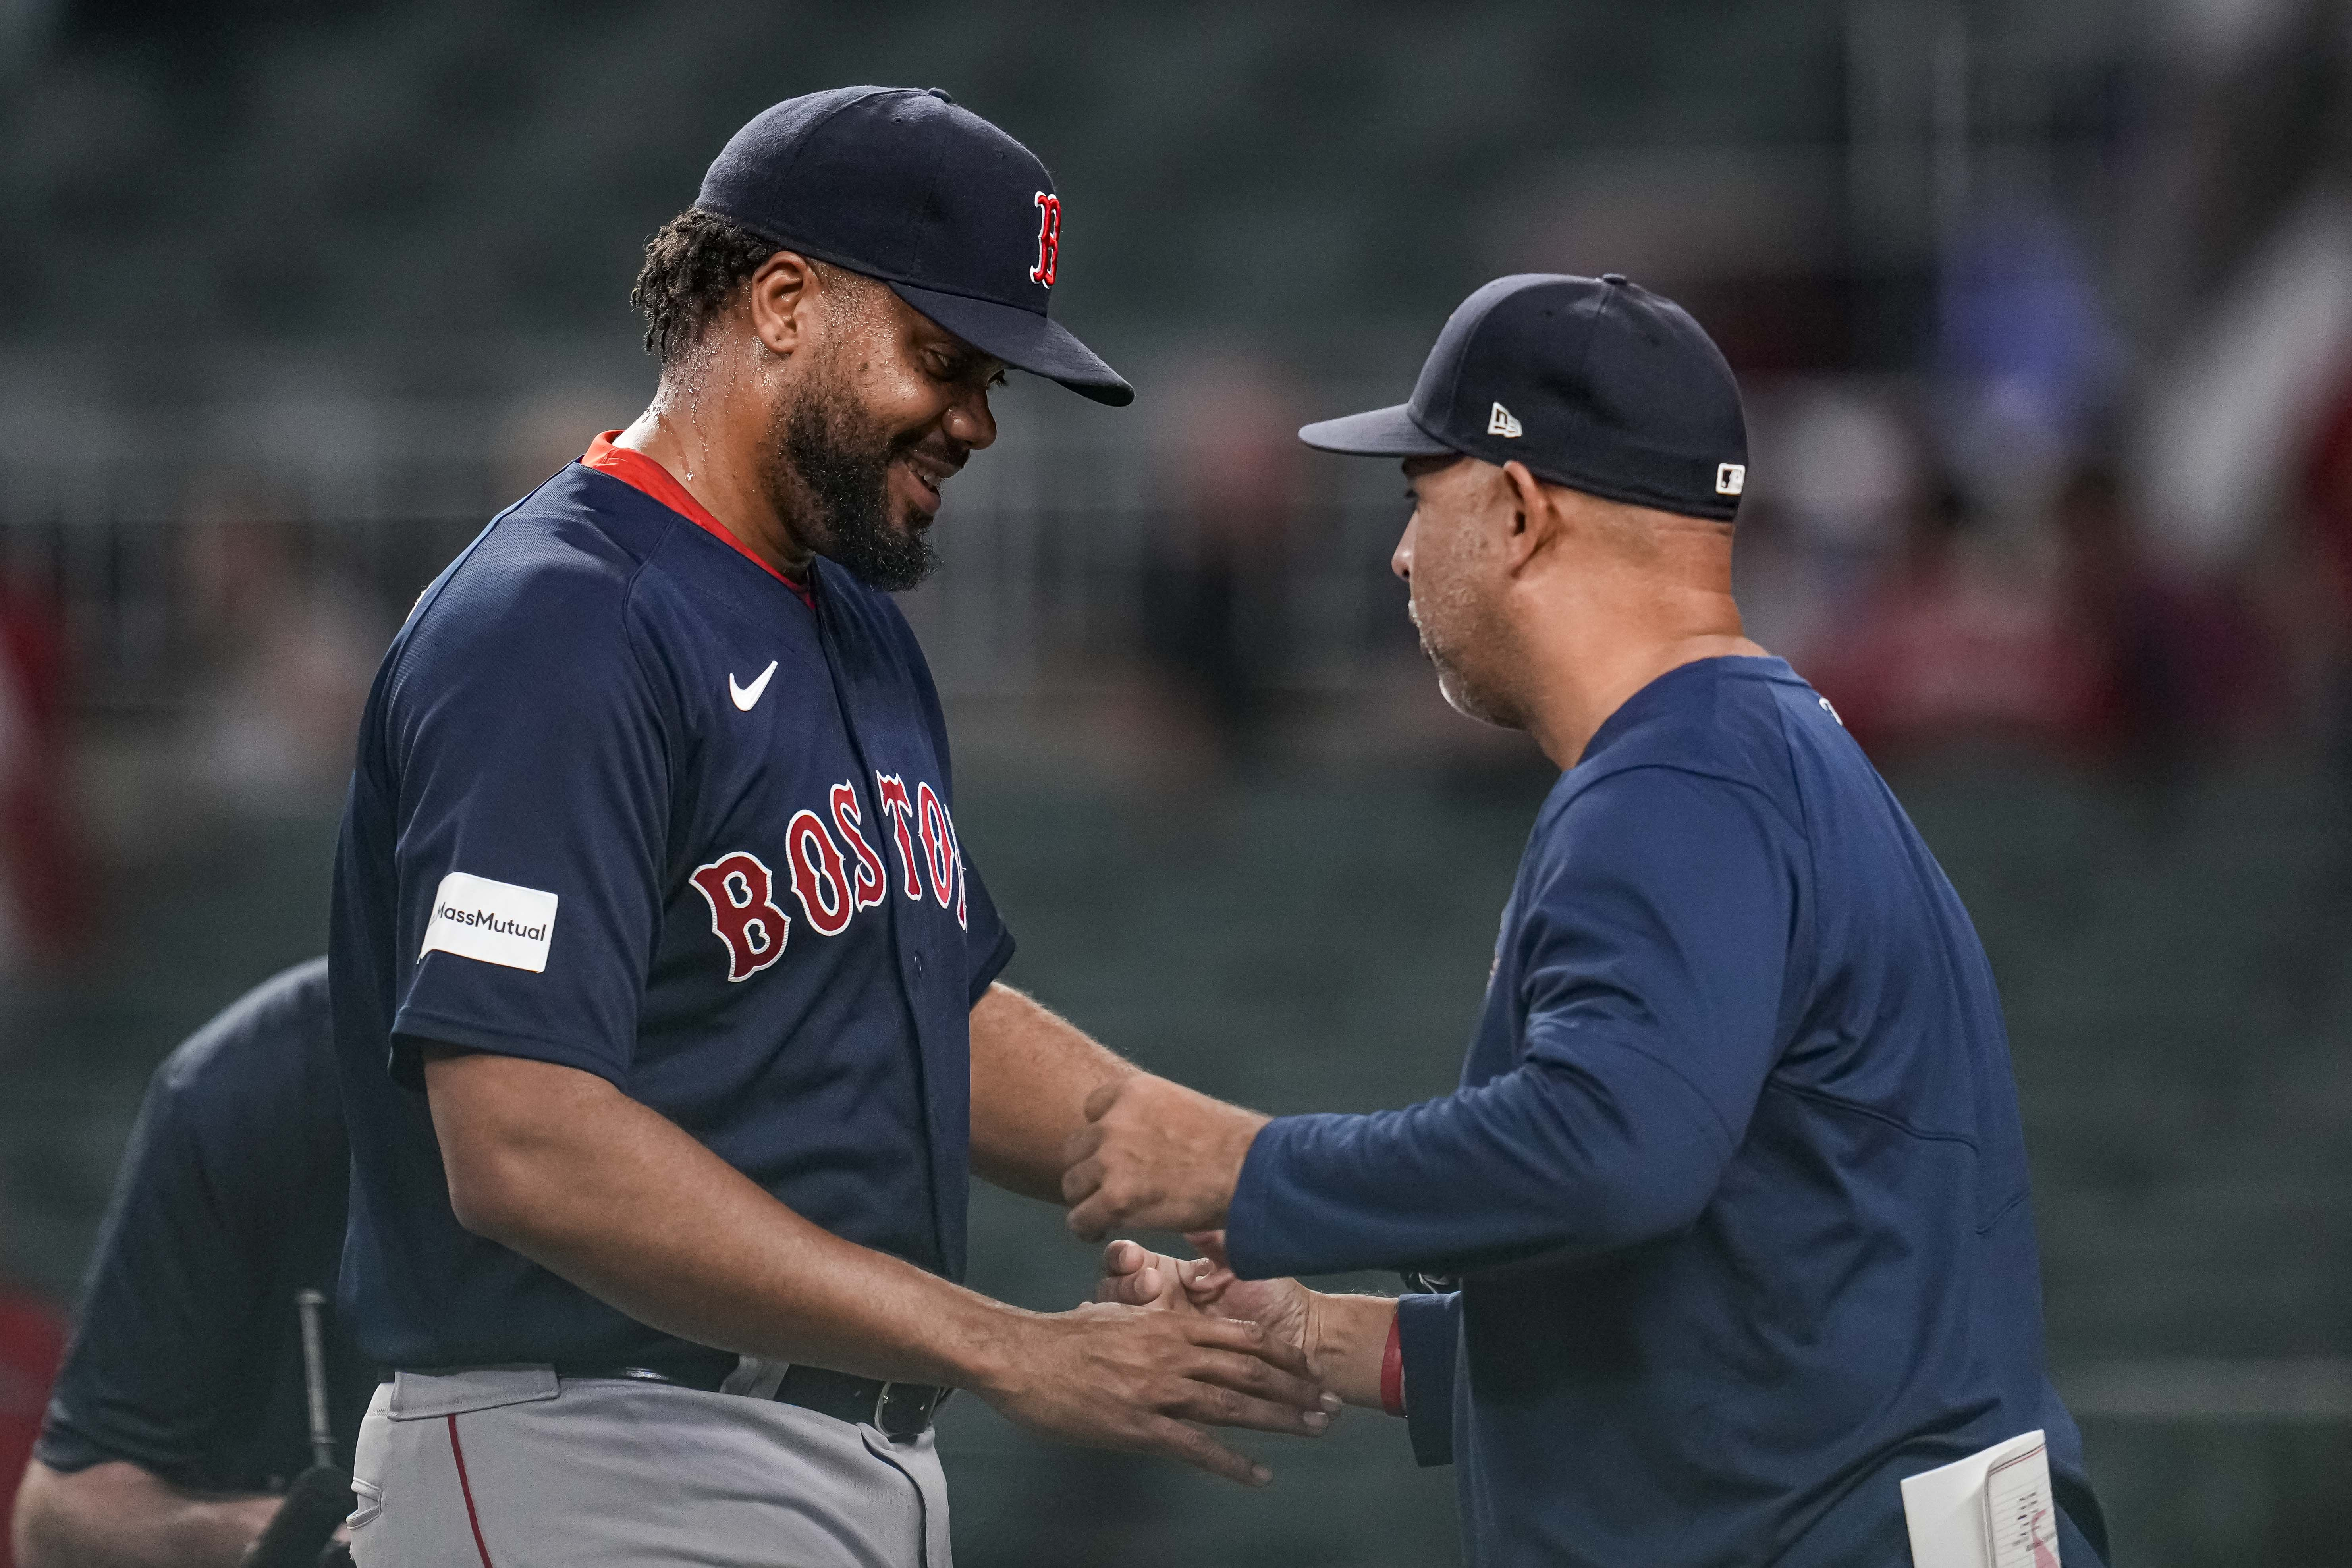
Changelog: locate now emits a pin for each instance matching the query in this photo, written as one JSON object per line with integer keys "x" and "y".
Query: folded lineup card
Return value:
{"x": 1991, "y": 1510}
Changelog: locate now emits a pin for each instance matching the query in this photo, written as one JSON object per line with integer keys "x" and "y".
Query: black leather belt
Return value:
{"x": 902, "y": 1410}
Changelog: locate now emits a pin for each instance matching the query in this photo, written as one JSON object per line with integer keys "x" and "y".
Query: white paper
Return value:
{"x": 2021, "y": 1519}
{"x": 1950, "y": 1512}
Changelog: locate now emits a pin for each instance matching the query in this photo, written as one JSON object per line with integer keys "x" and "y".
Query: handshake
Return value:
{"x": 1170, "y": 1345}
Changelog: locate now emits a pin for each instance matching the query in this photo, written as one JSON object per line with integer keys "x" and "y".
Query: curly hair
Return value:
{"x": 693, "y": 266}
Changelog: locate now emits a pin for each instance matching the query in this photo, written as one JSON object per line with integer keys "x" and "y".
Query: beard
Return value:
{"x": 828, "y": 466}
{"x": 1461, "y": 693}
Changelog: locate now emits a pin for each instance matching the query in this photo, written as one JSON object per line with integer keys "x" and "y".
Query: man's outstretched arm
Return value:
{"x": 1032, "y": 1070}
{"x": 1652, "y": 988}
{"x": 119, "y": 1515}
{"x": 561, "y": 1166}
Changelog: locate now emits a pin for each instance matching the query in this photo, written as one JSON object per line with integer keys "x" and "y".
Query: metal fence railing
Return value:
{"x": 1062, "y": 569}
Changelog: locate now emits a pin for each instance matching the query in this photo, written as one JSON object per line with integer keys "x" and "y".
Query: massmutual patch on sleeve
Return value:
{"x": 496, "y": 922}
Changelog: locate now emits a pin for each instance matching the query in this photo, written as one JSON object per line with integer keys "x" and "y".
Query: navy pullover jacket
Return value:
{"x": 1734, "y": 1186}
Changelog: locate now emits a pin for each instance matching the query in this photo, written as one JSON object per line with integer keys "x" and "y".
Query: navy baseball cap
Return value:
{"x": 1592, "y": 382}
{"x": 903, "y": 184}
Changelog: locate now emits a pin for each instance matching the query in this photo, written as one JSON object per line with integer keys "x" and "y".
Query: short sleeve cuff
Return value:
{"x": 1429, "y": 1332}
{"x": 414, "y": 1027}
{"x": 984, "y": 974}
{"x": 67, "y": 1451}
{"x": 66, "y": 1445}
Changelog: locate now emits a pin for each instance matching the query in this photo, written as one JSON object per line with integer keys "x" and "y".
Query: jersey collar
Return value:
{"x": 639, "y": 473}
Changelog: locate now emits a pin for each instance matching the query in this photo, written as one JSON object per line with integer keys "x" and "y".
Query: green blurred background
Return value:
{"x": 2044, "y": 317}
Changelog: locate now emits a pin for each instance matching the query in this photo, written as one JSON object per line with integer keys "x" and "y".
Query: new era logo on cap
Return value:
{"x": 1501, "y": 423}
{"x": 1730, "y": 478}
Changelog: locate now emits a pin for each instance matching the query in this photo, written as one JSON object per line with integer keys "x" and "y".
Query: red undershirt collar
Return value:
{"x": 642, "y": 473}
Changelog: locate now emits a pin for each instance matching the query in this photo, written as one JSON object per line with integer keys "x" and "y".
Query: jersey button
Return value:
{"x": 918, "y": 967}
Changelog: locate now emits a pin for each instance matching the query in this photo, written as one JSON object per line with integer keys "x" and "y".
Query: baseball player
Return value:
{"x": 184, "y": 1418}
{"x": 1734, "y": 1188}
{"x": 665, "y": 989}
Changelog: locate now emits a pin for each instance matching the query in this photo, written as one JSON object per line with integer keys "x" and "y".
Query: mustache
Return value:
{"x": 935, "y": 447}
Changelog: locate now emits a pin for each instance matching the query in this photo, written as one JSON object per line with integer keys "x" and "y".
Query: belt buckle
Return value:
{"x": 917, "y": 1415}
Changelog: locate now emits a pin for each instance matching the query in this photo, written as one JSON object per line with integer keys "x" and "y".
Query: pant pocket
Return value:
{"x": 370, "y": 1501}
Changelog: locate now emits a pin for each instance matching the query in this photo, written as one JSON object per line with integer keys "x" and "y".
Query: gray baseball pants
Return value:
{"x": 514, "y": 1468}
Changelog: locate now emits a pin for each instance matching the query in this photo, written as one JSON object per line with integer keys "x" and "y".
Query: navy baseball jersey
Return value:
{"x": 187, "y": 1353}
{"x": 1735, "y": 1183}
{"x": 630, "y": 802}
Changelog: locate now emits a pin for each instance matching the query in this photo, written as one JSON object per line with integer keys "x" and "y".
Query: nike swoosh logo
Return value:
{"x": 748, "y": 697}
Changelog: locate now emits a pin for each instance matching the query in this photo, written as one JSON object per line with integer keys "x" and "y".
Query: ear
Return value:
{"x": 781, "y": 297}
{"x": 1535, "y": 516}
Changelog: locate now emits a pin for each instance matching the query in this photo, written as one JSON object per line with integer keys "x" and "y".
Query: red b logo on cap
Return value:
{"x": 1049, "y": 237}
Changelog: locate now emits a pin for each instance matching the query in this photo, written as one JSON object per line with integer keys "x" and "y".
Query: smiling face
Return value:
{"x": 1452, "y": 557}
{"x": 884, "y": 408}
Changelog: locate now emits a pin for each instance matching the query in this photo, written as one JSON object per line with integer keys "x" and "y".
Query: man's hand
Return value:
{"x": 306, "y": 1523}
{"x": 1128, "y": 1378}
{"x": 1345, "y": 1337}
{"x": 1156, "y": 1155}
{"x": 1138, "y": 1277}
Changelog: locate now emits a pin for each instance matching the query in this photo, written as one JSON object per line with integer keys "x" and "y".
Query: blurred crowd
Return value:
{"x": 1938, "y": 617}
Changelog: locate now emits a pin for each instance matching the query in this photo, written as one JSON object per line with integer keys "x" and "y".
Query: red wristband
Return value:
{"x": 1392, "y": 1369}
